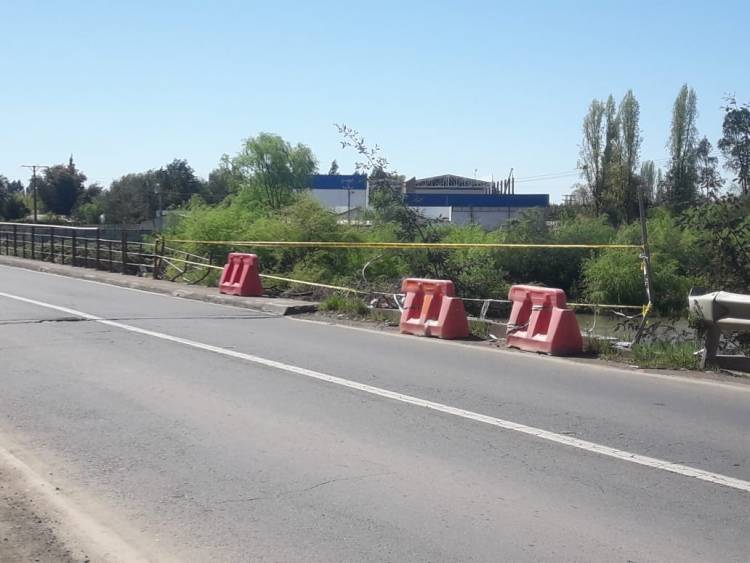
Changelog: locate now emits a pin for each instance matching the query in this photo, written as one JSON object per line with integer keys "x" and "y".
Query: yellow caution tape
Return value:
{"x": 644, "y": 308}
{"x": 392, "y": 245}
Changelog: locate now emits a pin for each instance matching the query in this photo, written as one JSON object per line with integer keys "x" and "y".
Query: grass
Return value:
{"x": 388, "y": 317}
{"x": 655, "y": 355}
{"x": 663, "y": 355}
{"x": 344, "y": 303}
{"x": 600, "y": 347}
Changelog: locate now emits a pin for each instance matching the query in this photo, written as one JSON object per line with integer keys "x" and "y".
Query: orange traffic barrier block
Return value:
{"x": 241, "y": 276}
{"x": 540, "y": 321}
{"x": 431, "y": 308}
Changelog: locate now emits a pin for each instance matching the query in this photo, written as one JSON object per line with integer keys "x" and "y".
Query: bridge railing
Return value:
{"x": 77, "y": 246}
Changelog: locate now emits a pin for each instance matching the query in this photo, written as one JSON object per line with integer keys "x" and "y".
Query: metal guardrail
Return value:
{"x": 77, "y": 246}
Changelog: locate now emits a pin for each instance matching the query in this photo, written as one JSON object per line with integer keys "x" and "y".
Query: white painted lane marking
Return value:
{"x": 673, "y": 379}
{"x": 585, "y": 445}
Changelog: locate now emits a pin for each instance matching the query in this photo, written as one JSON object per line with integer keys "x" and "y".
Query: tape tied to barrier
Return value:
{"x": 485, "y": 302}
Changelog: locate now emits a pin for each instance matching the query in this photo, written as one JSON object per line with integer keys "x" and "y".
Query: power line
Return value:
{"x": 549, "y": 174}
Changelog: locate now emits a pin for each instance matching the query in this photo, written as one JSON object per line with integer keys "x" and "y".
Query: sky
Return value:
{"x": 473, "y": 88}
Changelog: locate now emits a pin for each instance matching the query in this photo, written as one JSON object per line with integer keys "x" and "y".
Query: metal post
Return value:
{"x": 33, "y": 246}
{"x": 51, "y": 244}
{"x": 158, "y": 251}
{"x": 73, "y": 247}
{"x": 15, "y": 240}
{"x": 33, "y": 182}
{"x": 98, "y": 242}
{"x": 85, "y": 252}
{"x": 124, "y": 251}
{"x": 111, "y": 260}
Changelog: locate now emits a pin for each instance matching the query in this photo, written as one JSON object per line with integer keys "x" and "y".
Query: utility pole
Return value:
{"x": 648, "y": 279}
{"x": 348, "y": 185}
{"x": 33, "y": 182}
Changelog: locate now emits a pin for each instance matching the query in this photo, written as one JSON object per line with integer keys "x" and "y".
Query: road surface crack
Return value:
{"x": 40, "y": 321}
{"x": 304, "y": 490}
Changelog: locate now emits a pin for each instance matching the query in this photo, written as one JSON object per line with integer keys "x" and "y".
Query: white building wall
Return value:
{"x": 338, "y": 198}
{"x": 487, "y": 217}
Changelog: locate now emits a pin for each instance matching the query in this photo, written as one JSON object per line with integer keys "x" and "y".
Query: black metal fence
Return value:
{"x": 85, "y": 247}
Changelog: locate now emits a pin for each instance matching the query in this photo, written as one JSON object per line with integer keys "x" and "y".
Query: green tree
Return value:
{"x": 649, "y": 180}
{"x": 709, "y": 179}
{"x": 4, "y": 194}
{"x": 273, "y": 168}
{"x": 682, "y": 177}
{"x": 630, "y": 134}
{"x": 131, "y": 198}
{"x": 612, "y": 162}
{"x": 722, "y": 232}
{"x": 61, "y": 188}
{"x": 222, "y": 181}
{"x": 177, "y": 183}
{"x": 11, "y": 200}
{"x": 735, "y": 142}
{"x": 334, "y": 169}
{"x": 90, "y": 205}
{"x": 591, "y": 155}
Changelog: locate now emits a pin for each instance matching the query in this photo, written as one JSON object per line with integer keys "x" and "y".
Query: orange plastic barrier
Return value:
{"x": 241, "y": 276}
{"x": 432, "y": 309}
{"x": 540, "y": 321}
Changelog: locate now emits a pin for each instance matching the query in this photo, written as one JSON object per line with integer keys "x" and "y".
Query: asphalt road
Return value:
{"x": 204, "y": 432}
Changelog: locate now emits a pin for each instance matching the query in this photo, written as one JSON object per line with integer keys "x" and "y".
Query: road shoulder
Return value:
{"x": 28, "y": 532}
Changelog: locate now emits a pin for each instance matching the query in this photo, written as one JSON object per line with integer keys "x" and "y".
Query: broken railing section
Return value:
{"x": 720, "y": 313}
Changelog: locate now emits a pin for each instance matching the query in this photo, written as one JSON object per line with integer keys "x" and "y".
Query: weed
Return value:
{"x": 663, "y": 355}
{"x": 344, "y": 303}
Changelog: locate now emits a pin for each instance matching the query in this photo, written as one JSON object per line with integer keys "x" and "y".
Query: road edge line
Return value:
{"x": 592, "y": 447}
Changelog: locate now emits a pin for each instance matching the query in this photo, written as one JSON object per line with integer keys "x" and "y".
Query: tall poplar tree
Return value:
{"x": 682, "y": 175}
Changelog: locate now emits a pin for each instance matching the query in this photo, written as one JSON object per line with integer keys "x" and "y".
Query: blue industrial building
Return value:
{"x": 451, "y": 198}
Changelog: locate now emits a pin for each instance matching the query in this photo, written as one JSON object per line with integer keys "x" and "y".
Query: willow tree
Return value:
{"x": 273, "y": 168}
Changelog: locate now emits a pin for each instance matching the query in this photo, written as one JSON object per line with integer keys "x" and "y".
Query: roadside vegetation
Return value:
{"x": 698, "y": 220}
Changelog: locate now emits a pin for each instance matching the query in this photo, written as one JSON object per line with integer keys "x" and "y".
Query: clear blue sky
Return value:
{"x": 442, "y": 87}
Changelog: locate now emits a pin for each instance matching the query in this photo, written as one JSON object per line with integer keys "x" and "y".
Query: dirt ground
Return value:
{"x": 26, "y": 534}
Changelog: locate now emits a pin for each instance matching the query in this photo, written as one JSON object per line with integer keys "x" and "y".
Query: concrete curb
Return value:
{"x": 273, "y": 305}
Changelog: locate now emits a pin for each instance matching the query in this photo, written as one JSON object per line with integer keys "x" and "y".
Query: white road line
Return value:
{"x": 598, "y": 367}
{"x": 593, "y": 447}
